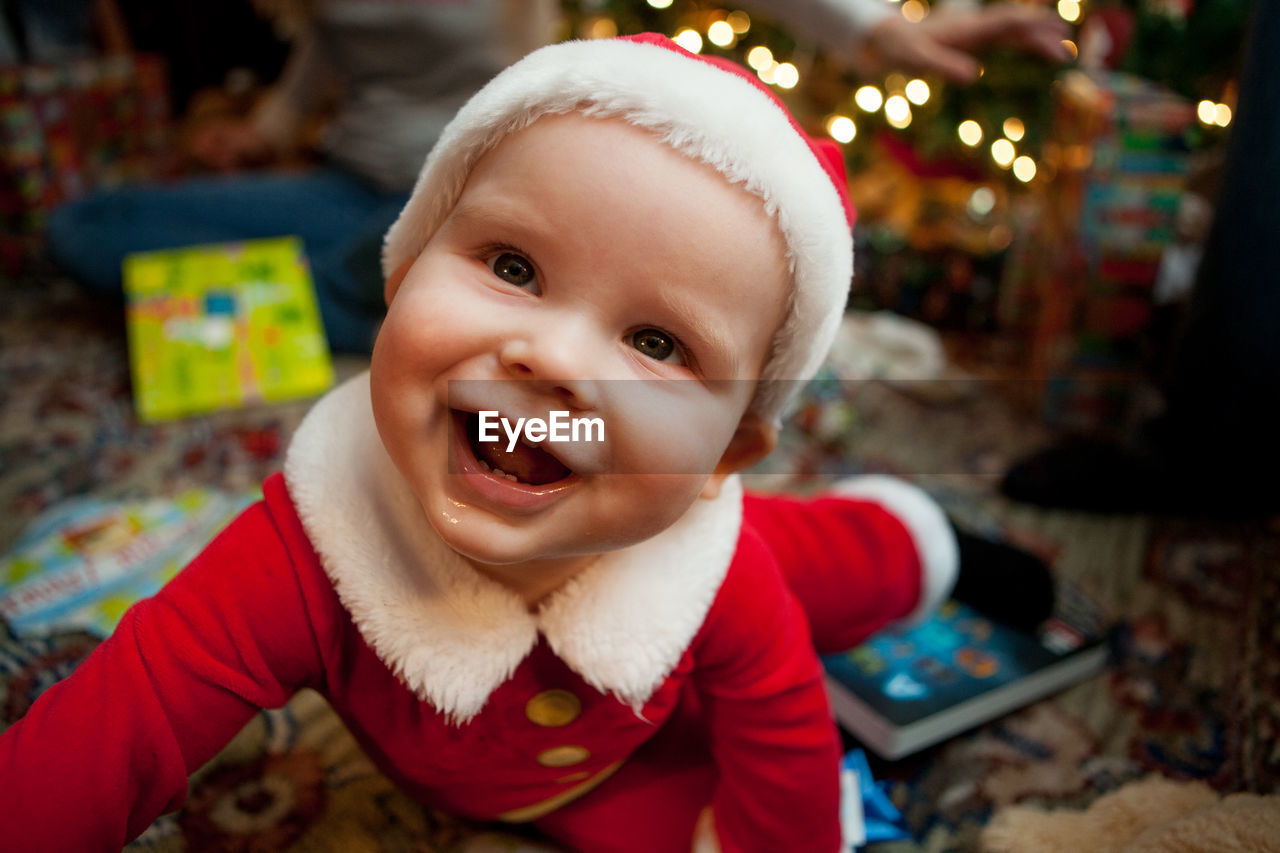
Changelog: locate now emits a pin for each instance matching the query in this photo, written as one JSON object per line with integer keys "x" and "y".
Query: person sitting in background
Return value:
{"x": 1213, "y": 451}
{"x": 399, "y": 71}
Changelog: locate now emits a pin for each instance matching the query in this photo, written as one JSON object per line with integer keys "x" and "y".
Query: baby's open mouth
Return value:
{"x": 524, "y": 463}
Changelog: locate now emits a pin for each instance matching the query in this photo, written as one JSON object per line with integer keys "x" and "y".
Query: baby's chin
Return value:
{"x": 485, "y": 540}
{"x": 507, "y": 549}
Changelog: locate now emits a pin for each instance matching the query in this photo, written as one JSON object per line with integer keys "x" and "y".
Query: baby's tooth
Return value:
{"x": 500, "y": 473}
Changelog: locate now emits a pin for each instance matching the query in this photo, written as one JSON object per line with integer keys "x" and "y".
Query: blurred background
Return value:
{"x": 1035, "y": 189}
{"x": 1044, "y": 217}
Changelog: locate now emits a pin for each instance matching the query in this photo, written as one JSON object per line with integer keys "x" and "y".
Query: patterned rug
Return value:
{"x": 1192, "y": 690}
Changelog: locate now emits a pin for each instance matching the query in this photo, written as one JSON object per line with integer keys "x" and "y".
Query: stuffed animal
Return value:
{"x": 1151, "y": 815}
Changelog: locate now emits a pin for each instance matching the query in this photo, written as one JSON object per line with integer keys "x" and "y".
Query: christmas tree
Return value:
{"x": 993, "y": 132}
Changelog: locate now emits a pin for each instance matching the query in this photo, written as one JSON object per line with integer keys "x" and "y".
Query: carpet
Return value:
{"x": 1192, "y": 689}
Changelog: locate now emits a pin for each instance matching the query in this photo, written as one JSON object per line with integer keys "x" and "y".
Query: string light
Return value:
{"x": 897, "y": 111}
{"x": 760, "y": 58}
{"x": 1072, "y": 48}
{"x": 786, "y": 75}
{"x": 740, "y": 22}
{"x": 1079, "y": 157}
{"x": 1212, "y": 113}
{"x": 721, "y": 34}
{"x": 1069, "y": 10}
{"x": 981, "y": 202}
{"x": 689, "y": 40}
{"x": 897, "y": 107}
{"x": 841, "y": 129}
{"x": 914, "y": 11}
{"x": 868, "y": 99}
{"x": 603, "y": 28}
{"x": 659, "y": 4}
{"x": 1024, "y": 168}
{"x": 1002, "y": 151}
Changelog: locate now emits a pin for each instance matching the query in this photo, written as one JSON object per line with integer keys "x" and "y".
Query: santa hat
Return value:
{"x": 707, "y": 108}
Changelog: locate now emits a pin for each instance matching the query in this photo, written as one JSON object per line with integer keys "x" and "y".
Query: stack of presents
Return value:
{"x": 69, "y": 127}
{"x": 1079, "y": 284}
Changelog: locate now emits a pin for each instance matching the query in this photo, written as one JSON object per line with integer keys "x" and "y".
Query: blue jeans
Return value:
{"x": 340, "y": 218}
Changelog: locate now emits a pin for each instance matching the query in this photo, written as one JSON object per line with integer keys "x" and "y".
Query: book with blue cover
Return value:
{"x": 905, "y": 689}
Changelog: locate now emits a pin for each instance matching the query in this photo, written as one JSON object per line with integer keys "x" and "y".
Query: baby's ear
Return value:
{"x": 393, "y": 280}
{"x": 752, "y": 441}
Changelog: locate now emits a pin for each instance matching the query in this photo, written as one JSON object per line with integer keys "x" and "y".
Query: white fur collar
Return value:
{"x": 453, "y": 635}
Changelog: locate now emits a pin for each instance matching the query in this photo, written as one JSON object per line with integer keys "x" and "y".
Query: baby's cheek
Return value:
{"x": 703, "y": 445}
{"x": 662, "y": 433}
{"x": 630, "y": 508}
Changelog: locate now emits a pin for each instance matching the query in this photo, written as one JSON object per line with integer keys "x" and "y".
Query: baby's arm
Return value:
{"x": 775, "y": 746}
{"x": 871, "y": 551}
{"x": 103, "y": 753}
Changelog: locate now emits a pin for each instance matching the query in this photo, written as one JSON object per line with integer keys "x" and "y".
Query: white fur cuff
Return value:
{"x": 929, "y": 530}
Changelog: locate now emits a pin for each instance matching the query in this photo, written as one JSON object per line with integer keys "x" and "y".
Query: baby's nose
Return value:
{"x": 561, "y": 365}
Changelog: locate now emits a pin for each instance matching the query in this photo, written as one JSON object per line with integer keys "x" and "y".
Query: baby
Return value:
{"x": 602, "y": 635}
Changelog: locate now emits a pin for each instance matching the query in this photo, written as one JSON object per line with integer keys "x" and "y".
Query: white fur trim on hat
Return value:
{"x": 701, "y": 110}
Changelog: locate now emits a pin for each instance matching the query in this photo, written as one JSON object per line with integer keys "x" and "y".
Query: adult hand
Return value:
{"x": 943, "y": 43}
{"x": 228, "y": 144}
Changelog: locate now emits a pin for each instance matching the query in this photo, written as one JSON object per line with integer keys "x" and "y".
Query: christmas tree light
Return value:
{"x": 841, "y": 129}
{"x": 868, "y": 98}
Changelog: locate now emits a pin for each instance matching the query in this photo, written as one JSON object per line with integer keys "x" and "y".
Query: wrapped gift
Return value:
{"x": 221, "y": 326}
{"x": 1079, "y": 279}
{"x": 69, "y": 128}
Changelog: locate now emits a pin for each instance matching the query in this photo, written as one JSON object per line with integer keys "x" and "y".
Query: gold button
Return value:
{"x": 563, "y": 756}
{"x": 553, "y": 708}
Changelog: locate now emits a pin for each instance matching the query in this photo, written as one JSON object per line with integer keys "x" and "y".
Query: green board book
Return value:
{"x": 223, "y": 326}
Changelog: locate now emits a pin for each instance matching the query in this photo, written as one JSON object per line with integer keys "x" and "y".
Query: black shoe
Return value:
{"x": 1088, "y": 475}
{"x": 1008, "y": 584}
{"x": 1098, "y": 476}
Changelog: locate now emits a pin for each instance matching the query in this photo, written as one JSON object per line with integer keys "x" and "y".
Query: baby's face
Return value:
{"x": 590, "y": 269}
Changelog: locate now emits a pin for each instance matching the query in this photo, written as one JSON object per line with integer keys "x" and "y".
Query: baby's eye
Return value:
{"x": 515, "y": 269}
{"x": 657, "y": 344}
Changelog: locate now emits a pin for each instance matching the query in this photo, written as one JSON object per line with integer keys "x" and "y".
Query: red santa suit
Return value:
{"x": 676, "y": 674}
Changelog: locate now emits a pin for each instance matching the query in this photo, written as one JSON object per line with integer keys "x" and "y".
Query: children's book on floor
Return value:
{"x": 222, "y": 326}
{"x": 908, "y": 688}
{"x": 82, "y": 563}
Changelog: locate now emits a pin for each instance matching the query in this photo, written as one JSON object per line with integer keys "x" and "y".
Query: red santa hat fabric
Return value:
{"x": 705, "y": 107}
